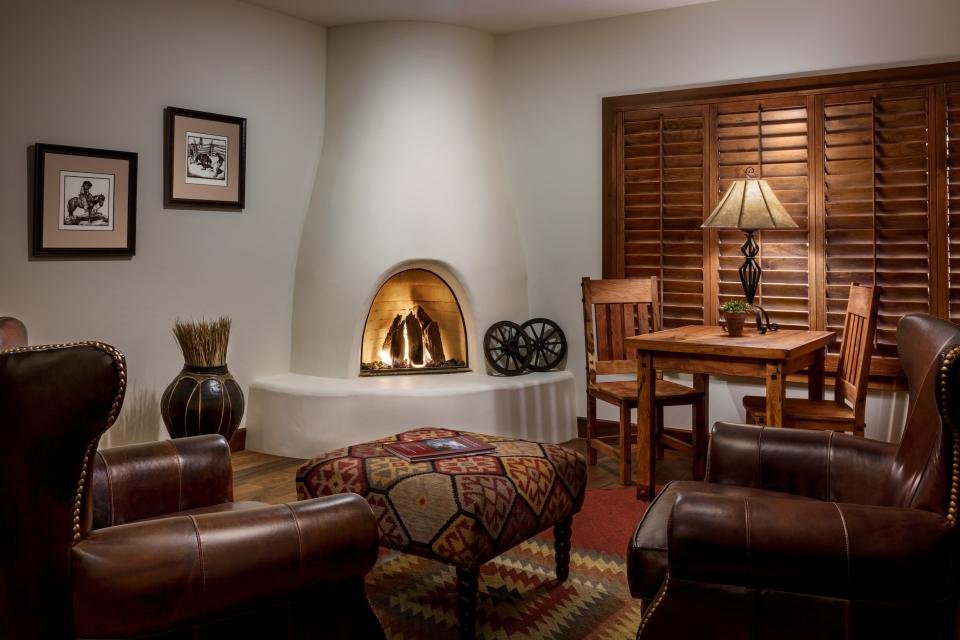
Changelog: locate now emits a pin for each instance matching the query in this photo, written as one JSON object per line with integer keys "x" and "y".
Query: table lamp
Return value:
{"x": 750, "y": 205}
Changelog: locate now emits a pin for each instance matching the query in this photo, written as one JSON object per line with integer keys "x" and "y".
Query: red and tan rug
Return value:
{"x": 520, "y": 597}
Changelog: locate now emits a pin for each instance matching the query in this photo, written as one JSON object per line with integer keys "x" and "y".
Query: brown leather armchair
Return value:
{"x": 146, "y": 540}
{"x": 808, "y": 534}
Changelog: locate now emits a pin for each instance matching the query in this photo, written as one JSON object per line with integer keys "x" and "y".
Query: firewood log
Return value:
{"x": 393, "y": 342}
{"x": 414, "y": 338}
{"x": 432, "y": 342}
{"x": 431, "y": 335}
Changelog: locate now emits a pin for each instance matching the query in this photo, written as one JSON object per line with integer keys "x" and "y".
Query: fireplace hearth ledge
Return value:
{"x": 299, "y": 416}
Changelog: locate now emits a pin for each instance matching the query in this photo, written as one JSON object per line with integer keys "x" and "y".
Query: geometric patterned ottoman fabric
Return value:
{"x": 462, "y": 511}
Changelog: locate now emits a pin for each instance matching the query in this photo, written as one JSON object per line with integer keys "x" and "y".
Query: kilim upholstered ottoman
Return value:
{"x": 463, "y": 511}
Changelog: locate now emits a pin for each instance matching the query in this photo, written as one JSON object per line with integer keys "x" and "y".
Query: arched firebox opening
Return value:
{"x": 415, "y": 325}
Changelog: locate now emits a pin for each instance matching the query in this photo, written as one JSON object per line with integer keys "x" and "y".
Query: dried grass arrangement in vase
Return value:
{"x": 204, "y": 397}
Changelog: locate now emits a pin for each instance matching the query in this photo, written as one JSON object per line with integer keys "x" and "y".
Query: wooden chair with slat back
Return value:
{"x": 612, "y": 311}
{"x": 846, "y": 412}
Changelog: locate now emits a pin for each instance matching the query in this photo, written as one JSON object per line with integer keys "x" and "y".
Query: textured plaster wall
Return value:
{"x": 410, "y": 175}
{"x": 550, "y": 86}
{"x": 489, "y": 148}
{"x": 98, "y": 74}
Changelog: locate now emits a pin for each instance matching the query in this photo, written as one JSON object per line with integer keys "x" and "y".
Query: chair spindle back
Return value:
{"x": 859, "y": 329}
{"x": 612, "y": 311}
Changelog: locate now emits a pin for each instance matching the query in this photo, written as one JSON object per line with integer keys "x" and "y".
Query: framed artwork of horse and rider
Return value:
{"x": 85, "y": 202}
{"x": 204, "y": 159}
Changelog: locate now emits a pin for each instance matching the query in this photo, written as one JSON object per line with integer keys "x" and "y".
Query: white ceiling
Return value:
{"x": 494, "y": 16}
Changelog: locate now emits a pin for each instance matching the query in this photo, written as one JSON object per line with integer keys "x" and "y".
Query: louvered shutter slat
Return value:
{"x": 769, "y": 136}
{"x": 663, "y": 207}
{"x": 953, "y": 198}
{"x": 876, "y": 203}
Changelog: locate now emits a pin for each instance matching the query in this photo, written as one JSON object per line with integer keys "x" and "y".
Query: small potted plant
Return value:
{"x": 735, "y": 313}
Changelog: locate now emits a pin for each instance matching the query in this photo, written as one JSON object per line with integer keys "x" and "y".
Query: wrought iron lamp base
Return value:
{"x": 750, "y": 272}
{"x": 763, "y": 320}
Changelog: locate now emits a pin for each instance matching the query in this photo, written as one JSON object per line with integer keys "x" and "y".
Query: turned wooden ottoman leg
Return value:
{"x": 561, "y": 547}
{"x": 468, "y": 581}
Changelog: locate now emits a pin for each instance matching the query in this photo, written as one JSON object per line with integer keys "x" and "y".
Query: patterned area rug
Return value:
{"x": 520, "y": 597}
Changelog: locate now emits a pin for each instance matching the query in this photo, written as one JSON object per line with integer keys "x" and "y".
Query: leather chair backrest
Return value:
{"x": 55, "y": 402}
{"x": 921, "y": 474}
{"x": 13, "y": 333}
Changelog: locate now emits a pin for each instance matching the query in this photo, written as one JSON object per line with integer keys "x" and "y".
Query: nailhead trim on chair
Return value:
{"x": 653, "y": 605}
{"x": 946, "y": 368}
{"x": 949, "y": 357}
{"x": 120, "y": 363}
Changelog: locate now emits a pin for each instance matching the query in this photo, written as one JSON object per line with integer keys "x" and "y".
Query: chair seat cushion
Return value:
{"x": 627, "y": 390}
{"x": 801, "y": 409}
{"x": 462, "y": 511}
{"x": 647, "y": 552}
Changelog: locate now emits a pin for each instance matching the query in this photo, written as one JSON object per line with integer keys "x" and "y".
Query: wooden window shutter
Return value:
{"x": 663, "y": 206}
{"x": 771, "y": 137}
{"x": 953, "y": 197}
{"x": 876, "y": 203}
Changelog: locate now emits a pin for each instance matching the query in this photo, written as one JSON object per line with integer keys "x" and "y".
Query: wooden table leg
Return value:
{"x": 701, "y": 382}
{"x": 776, "y": 394}
{"x": 815, "y": 376}
{"x": 647, "y": 389}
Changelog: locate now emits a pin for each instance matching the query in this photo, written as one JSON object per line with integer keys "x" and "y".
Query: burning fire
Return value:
{"x": 401, "y": 350}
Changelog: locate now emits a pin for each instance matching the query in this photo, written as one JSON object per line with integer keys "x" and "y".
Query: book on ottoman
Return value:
{"x": 436, "y": 448}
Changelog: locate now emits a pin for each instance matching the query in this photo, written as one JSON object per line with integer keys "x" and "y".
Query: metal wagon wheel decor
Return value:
{"x": 507, "y": 348}
{"x": 547, "y": 341}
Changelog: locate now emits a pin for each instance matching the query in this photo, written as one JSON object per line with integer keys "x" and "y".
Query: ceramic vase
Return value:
{"x": 202, "y": 400}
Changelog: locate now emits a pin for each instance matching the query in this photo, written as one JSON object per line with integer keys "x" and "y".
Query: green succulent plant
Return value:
{"x": 735, "y": 306}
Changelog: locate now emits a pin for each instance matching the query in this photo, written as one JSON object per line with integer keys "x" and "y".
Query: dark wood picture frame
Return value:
{"x": 174, "y": 185}
{"x": 42, "y": 207}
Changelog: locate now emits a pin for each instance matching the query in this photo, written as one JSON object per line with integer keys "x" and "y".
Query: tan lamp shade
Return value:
{"x": 749, "y": 205}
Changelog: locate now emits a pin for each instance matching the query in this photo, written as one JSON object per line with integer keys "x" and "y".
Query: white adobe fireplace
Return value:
{"x": 408, "y": 182}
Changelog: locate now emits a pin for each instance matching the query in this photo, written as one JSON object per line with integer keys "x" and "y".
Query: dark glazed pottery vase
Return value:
{"x": 202, "y": 400}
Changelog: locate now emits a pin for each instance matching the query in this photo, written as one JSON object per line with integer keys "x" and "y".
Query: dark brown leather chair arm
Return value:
{"x": 817, "y": 464}
{"x": 159, "y": 478}
{"x": 810, "y": 547}
{"x": 140, "y": 577}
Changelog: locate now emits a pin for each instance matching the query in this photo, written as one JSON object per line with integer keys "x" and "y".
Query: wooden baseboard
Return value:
{"x": 239, "y": 440}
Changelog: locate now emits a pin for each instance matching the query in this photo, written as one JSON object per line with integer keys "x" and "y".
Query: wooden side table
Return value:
{"x": 708, "y": 350}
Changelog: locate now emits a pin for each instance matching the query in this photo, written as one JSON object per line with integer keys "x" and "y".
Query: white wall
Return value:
{"x": 550, "y": 85}
{"x": 98, "y": 74}
{"x": 425, "y": 105}
{"x": 409, "y": 173}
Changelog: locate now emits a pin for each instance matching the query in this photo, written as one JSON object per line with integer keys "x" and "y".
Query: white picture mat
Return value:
{"x": 207, "y": 138}
{"x": 70, "y": 186}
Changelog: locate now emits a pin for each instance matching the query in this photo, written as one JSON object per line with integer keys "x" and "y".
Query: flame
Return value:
{"x": 387, "y": 359}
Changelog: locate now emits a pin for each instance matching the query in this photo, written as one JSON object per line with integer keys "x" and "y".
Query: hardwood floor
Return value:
{"x": 271, "y": 479}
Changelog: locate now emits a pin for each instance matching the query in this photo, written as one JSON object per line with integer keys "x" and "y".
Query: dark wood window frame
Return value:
{"x": 939, "y": 86}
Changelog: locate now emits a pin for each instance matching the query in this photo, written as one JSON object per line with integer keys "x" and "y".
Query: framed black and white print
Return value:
{"x": 85, "y": 202}
{"x": 205, "y": 159}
